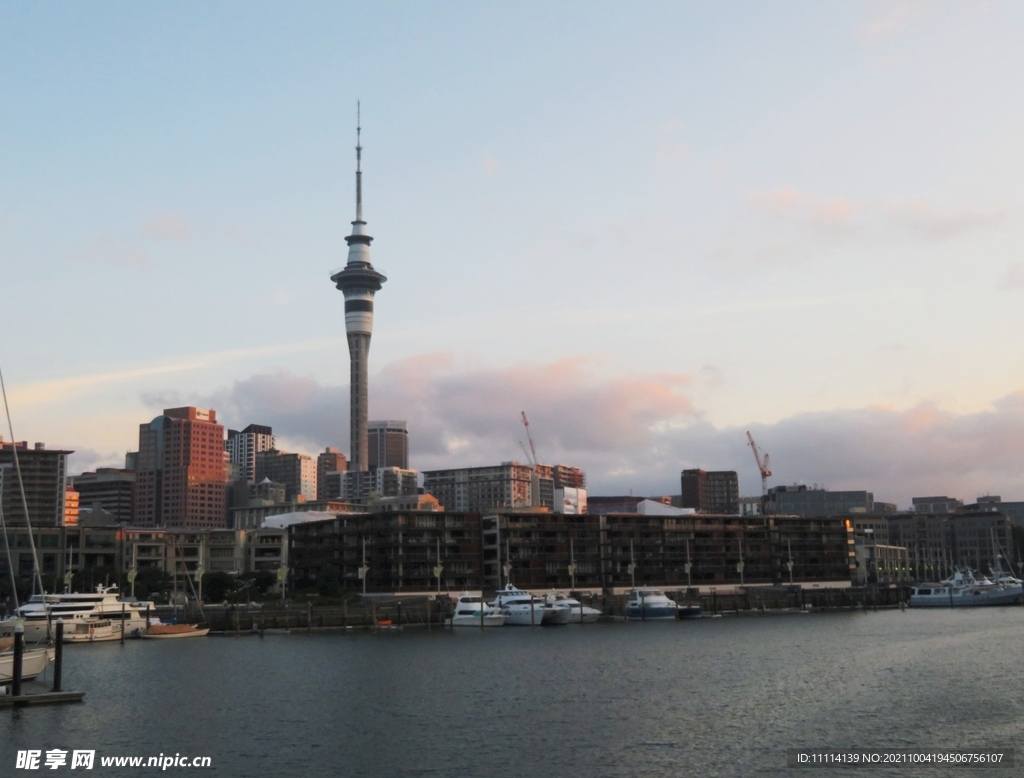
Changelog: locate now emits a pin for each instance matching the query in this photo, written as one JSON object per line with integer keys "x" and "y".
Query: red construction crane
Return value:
{"x": 763, "y": 465}
{"x": 529, "y": 437}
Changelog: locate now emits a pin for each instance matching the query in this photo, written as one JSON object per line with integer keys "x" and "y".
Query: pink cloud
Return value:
{"x": 168, "y": 226}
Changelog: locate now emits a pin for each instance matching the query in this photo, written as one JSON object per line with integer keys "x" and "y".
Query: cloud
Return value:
{"x": 809, "y": 221}
{"x": 639, "y": 432}
{"x": 169, "y": 227}
{"x": 1013, "y": 278}
{"x": 112, "y": 252}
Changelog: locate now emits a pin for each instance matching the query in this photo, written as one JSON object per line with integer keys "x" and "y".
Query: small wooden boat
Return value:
{"x": 177, "y": 631}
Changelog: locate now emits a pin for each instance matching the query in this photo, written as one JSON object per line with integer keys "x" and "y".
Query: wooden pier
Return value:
{"x": 18, "y": 697}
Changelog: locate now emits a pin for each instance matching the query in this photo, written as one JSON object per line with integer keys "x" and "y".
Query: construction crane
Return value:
{"x": 529, "y": 437}
{"x": 763, "y": 465}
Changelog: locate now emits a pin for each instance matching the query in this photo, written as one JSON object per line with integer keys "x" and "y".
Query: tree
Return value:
{"x": 217, "y": 585}
{"x": 329, "y": 582}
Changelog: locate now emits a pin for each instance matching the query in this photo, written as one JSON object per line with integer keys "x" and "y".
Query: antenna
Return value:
{"x": 359, "y": 163}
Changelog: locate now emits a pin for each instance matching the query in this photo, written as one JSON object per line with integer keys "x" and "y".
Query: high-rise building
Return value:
{"x": 711, "y": 491}
{"x": 181, "y": 475}
{"x": 242, "y": 448}
{"x": 388, "y": 444}
{"x": 567, "y": 477}
{"x": 44, "y": 475}
{"x": 359, "y": 282}
{"x": 296, "y": 471}
{"x": 508, "y": 485}
{"x": 329, "y": 461}
{"x": 363, "y": 485}
{"x": 799, "y": 500}
{"x": 109, "y": 488}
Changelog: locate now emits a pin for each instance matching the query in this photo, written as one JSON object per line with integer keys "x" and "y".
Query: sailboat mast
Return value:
{"x": 37, "y": 578}
{"x": 10, "y": 560}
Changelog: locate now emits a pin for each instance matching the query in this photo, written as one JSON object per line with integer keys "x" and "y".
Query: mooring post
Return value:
{"x": 581, "y": 611}
{"x": 58, "y": 654}
{"x": 122, "y": 623}
{"x": 236, "y": 622}
{"x": 483, "y": 607}
{"x": 309, "y": 618}
{"x": 399, "y": 613}
{"x": 147, "y": 616}
{"x": 533, "y": 621}
{"x": 426, "y": 605}
{"x": 19, "y": 650}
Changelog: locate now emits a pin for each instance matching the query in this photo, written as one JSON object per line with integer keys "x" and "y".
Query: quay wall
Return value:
{"x": 430, "y": 612}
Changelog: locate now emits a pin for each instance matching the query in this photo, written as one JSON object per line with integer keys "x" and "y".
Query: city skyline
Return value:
{"x": 817, "y": 207}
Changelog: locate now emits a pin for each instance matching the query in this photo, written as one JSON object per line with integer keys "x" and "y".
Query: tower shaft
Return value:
{"x": 359, "y": 389}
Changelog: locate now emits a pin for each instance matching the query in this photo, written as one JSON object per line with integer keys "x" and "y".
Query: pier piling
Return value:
{"x": 58, "y": 654}
{"x": 19, "y": 651}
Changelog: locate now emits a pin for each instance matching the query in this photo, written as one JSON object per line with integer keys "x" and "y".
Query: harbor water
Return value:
{"x": 712, "y": 697}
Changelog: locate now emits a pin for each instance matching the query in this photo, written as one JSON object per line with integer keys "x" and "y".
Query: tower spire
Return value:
{"x": 359, "y": 165}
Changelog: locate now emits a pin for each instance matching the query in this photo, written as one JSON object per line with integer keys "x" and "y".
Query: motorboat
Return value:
{"x": 650, "y": 605}
{"x": 33, "y": 662}
{"x": 578, "y": 612}
{"x": 92, "y": 630}
{"x": 468, "y": 613}
{"x": 524, "y": 609}
{"x": 964, "y": 590}
{"x": 40, "y": 613}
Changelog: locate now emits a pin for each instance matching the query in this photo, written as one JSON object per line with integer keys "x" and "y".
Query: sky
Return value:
{"x": 651, "y": 226}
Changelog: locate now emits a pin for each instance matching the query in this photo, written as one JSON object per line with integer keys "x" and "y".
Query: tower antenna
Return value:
{"x": 359, "y": 163}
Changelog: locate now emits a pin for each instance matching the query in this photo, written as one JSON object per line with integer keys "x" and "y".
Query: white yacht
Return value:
{"x": 41, "y": 612}
{"x": 525, "y": 610}
{"x": 963, "y": 590}
{"x": 578, "y": 612}
{"x": 650, "y": 605}
{"x": 467, "y": 613}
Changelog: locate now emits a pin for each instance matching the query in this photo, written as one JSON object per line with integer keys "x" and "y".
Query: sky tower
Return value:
{"x": 359, "y": 281}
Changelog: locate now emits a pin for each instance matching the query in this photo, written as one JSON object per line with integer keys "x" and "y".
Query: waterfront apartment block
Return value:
{"x": 296, "y": 471}
{"x": 799, "y": 500}
{"x": 539, "y": 548}
{"x": 105, "y": 554}
{"x": 473, "y": 489}
{"x": 110, "y": 488}
{"x": 711, "y": 491}
{"x": 388, "y": 444}
{"x": 181, "y": 475}
{"x": 330, "y": 460}
{"x": 400, "y": 550}
{"x": 44, "y": 475}
{"x": 242, "y": 448}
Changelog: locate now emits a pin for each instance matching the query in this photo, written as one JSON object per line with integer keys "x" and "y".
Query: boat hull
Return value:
{"x": 524, "y": 616}
{"x": 652, "y": 613}
{"x": 173, "y": 631}
{"x": 490, "y": 620}
{"x": 969, "y": 599}
{"x": 32, "y": 664}
{"x": 554, "y": 616}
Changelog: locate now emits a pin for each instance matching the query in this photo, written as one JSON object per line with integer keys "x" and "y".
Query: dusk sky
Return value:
{"x": 650, "y": 226}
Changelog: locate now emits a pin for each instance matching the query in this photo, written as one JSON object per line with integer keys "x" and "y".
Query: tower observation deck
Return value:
{"x": 359, "y": 282}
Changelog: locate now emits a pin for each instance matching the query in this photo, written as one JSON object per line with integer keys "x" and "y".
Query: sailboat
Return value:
{"x": 33, "y": 661}
{"x": 158, "y": 630}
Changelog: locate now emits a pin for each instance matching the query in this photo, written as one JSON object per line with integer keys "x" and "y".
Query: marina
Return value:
{"x": 710, "y": 696}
